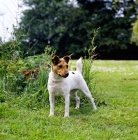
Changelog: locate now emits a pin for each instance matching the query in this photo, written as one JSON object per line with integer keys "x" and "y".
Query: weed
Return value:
{"x": 89, "y": 74}
{"x": 87, "y": 62}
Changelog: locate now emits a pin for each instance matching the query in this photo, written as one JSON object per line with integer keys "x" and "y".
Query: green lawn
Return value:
{"x": 116, "y": 84}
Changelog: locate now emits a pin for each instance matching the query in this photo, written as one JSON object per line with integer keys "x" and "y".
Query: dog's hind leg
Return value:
{"x": 84, "y": 89}
{"x": 88, "y": 94}
{"x": 73, "y": 93}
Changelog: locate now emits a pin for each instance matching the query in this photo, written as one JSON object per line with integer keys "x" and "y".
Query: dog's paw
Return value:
{"x": 77, "y": 107}
{"x": 95, "y": 108}
{"x": 66, "y": 116}
{"x": 50, "y": 115}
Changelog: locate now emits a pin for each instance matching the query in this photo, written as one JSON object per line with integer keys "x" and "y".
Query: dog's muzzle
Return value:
{"x": 66, "y": 75}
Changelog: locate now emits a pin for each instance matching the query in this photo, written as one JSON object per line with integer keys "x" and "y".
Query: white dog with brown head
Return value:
{"x": 66, "y": 83}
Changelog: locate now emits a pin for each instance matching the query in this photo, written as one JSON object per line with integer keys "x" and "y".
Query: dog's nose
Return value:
{"x": 67, "y": 74}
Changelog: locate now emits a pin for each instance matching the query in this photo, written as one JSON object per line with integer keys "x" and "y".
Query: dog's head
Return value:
{"x": 60, "y": 65}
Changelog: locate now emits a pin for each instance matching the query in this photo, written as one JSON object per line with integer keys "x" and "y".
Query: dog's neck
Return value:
{"x": 55, "y": 77}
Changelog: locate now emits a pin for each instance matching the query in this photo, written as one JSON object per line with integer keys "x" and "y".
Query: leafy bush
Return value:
{"x": 12, "y": 63}
{"x": 35, "y": 93}
{"x": 12, "y": 80}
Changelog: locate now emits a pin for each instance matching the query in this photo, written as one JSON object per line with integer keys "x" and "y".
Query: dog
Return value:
{"x": 66, "y": 83}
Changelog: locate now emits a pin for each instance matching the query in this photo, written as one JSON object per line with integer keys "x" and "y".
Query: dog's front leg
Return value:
{"x": 51, "y": 100}
{"x": 67, "y": 103}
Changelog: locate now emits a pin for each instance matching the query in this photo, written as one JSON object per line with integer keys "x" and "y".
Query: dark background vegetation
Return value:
{"x": 68, "y": 27}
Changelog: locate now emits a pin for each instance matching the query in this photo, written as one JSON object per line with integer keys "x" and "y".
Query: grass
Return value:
{"x": 116, "y": 84}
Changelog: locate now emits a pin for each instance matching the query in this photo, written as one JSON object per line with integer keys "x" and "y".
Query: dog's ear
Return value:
{"x": 67, "y": 58}
{"x": 55, "y": 60}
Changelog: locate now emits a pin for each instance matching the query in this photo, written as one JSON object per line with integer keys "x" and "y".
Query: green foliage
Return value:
{"x": 50, "y": 18}
{"x": 114, "y": 37}
{"x": 135, "y": 32}
{"x": 10, "y": 64}
{"x": 68, "y": 27}
{"x": 35, "y": 94}
{"x": 12, "y": 82}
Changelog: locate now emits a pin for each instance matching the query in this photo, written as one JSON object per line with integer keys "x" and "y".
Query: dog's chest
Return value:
{"x": 56, "y": 87}
{"x": 58, "y": 90}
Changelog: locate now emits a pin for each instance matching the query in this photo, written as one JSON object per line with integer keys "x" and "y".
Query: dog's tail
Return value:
{"x": 79, "y": 65}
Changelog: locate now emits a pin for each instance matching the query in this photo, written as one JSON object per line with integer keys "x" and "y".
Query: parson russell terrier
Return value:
{"x": 66, "y": 83}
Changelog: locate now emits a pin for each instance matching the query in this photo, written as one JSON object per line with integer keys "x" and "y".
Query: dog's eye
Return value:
{"x": 60, "y": 67}
{"x": 67, "y": 66}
